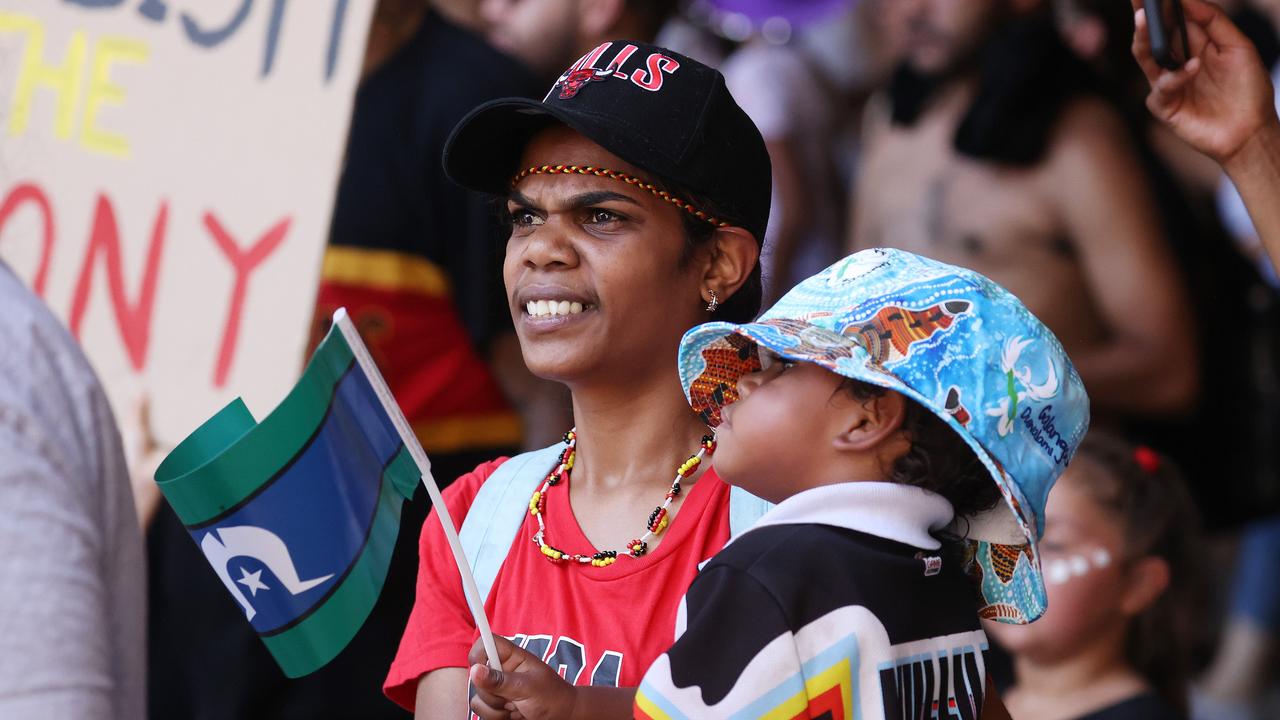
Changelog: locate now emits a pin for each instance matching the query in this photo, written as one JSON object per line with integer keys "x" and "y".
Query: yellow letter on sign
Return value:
{"x": 65, "y": 80}
{"x": 102, "y": 92}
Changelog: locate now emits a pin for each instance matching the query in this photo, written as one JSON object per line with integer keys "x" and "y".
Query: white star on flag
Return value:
{"x": 252, "y": 580}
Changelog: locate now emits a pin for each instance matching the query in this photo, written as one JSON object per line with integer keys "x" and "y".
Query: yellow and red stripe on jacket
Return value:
{"x": 403, "y": 307}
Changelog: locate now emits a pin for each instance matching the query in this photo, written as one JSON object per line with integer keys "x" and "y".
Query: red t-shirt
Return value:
{"x": 599, "y": 626}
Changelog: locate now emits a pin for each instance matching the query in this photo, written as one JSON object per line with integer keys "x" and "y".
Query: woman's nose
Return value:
{"x": 549, "y": 246}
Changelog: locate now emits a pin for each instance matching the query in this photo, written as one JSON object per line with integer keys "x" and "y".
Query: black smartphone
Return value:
{"x": 1168, "y": 32}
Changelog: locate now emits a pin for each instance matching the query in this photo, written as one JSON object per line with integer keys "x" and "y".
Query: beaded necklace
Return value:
{"x": 658, "y": 519}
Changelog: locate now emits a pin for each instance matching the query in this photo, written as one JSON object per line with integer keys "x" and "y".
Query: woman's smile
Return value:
{"x": 547, "y": 308}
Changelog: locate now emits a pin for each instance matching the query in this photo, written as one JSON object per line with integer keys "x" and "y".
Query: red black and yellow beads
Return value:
{"x": 658, "y": 521}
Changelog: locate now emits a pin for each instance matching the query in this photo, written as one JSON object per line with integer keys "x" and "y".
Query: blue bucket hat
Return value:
{"x": 958, "y": 344}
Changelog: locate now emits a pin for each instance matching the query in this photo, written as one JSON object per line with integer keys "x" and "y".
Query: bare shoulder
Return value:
{"x": 876, "y": 118}
{"x": 1091, "y": 149}
{"x": 1089, "y": 126}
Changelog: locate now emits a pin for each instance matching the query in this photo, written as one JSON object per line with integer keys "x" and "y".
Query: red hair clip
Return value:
{"x": 1147, "y": 459}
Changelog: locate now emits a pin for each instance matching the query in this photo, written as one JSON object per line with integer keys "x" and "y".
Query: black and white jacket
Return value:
{"x": 839, "y": 603}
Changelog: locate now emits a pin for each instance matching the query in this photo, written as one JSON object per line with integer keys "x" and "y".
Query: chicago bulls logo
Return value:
{"x": 574, "y": 80}
{"x": 584, "y": 72}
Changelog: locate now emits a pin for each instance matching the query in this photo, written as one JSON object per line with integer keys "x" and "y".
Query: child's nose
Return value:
{"x": 749, "y": 382}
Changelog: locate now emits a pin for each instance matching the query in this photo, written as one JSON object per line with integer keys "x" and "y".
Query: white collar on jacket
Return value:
{"x": 902, "y": 513}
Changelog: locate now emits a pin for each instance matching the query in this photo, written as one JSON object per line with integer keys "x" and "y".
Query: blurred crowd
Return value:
{"x": 1008, "y": 136}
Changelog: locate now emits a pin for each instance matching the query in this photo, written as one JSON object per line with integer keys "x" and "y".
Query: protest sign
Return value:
{"x": 167, "y": 174}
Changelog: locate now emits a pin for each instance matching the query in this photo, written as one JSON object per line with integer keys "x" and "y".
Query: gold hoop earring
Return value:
{"x": 715, "y": 302}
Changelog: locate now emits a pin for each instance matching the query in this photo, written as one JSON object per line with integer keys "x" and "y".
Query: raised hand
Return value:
{"x": 1222, "y": 97}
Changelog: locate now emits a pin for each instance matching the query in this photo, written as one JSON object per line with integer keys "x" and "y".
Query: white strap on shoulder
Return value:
{"x": 744, "y": 510}
{"x": 498, "y": 511}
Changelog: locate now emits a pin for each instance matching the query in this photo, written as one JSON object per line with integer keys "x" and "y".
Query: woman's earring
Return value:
{"x": 715, "y": 302}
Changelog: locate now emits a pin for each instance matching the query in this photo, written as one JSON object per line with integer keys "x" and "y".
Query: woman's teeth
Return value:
{"x": 550, "y": 308}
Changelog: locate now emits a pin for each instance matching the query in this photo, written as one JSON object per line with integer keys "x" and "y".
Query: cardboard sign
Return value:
{"x": 167, "y": 172}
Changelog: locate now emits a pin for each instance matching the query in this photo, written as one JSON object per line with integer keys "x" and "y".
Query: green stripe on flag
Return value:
{"x": 243, "y": 462}
{"x": 311, "y": 643}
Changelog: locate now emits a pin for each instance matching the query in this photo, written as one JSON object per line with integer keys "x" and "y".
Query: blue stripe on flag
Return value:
{"x": 319, "y": 508}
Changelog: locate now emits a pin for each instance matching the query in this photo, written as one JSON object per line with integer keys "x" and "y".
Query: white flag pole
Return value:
{"x": 469, "y": 588}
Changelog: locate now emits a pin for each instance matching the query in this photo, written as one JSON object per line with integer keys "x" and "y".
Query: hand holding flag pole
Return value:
{"x": 469, "y": 588}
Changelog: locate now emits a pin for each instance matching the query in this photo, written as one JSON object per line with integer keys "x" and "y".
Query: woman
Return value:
{"x": 637, "y": 191}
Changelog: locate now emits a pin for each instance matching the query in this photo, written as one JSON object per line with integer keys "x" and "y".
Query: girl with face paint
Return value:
{"x": 1119, "y": 561}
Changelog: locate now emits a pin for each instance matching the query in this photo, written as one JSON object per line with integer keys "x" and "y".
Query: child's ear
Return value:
{"x": 733, "y": 256}
{"x": 866, "y": 424}
{"x": 1148, "y": 578}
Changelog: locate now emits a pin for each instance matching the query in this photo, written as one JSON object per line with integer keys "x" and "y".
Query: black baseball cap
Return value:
{"x": 662, "y": 112}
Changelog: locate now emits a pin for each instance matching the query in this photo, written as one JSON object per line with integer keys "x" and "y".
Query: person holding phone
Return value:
{"x": 1221, "y": 102}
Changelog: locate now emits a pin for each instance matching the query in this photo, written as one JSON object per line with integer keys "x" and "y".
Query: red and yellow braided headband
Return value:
{"x": 629, "y": 179}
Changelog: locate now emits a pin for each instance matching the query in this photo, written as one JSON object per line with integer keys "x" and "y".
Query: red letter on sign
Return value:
{"x": 134, "y": 320}
{"x": 28, "y": 192}
{"x": 242, "y": 263}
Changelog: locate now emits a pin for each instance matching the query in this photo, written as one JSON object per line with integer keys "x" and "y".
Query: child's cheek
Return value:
{"x": 1079, "y": 595}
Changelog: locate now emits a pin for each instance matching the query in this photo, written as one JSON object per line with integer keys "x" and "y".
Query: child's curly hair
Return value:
{"x": 939, "y": 459}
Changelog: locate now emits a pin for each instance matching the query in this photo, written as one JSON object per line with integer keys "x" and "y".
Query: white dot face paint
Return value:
{"x": 1057, "y": 572}
{"x": 1079, "y": 565}
{"x": 1060, "y": 571}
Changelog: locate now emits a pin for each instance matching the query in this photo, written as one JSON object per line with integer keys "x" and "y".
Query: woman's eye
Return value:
{"x": 786, "y": 364}
{"x": 521, "y": 217}
{"x": 602, "y": 217}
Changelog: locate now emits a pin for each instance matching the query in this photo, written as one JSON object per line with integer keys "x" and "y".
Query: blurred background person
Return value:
{"x": 794, "y": 107}
{"x": 800, "y": 70}
{"x": 72, "y": 573}
{"x": 789, "y": 97}
{"x": 1120, "y": 560}
{"x": 414, "y": 260}
{"x": 549, "y": 35}
{"x": 463, "y": 13}
{"x": 990, "y": 150}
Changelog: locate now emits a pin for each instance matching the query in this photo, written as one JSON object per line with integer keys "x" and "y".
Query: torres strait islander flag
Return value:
{"x": 298, "y": 514}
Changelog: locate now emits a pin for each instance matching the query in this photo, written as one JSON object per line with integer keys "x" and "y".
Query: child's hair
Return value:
{"x": 939, "y": 459}
{"x": 1146, "y": 495}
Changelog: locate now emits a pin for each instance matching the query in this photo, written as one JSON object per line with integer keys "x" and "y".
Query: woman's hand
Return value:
{"x": 525, "y": 689}
{"x": 1221, "y": 98}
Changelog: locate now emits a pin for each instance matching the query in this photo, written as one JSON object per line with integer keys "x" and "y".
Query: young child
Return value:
{"x": 1118, "y": 556}
{"x": 887, "y": 404}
